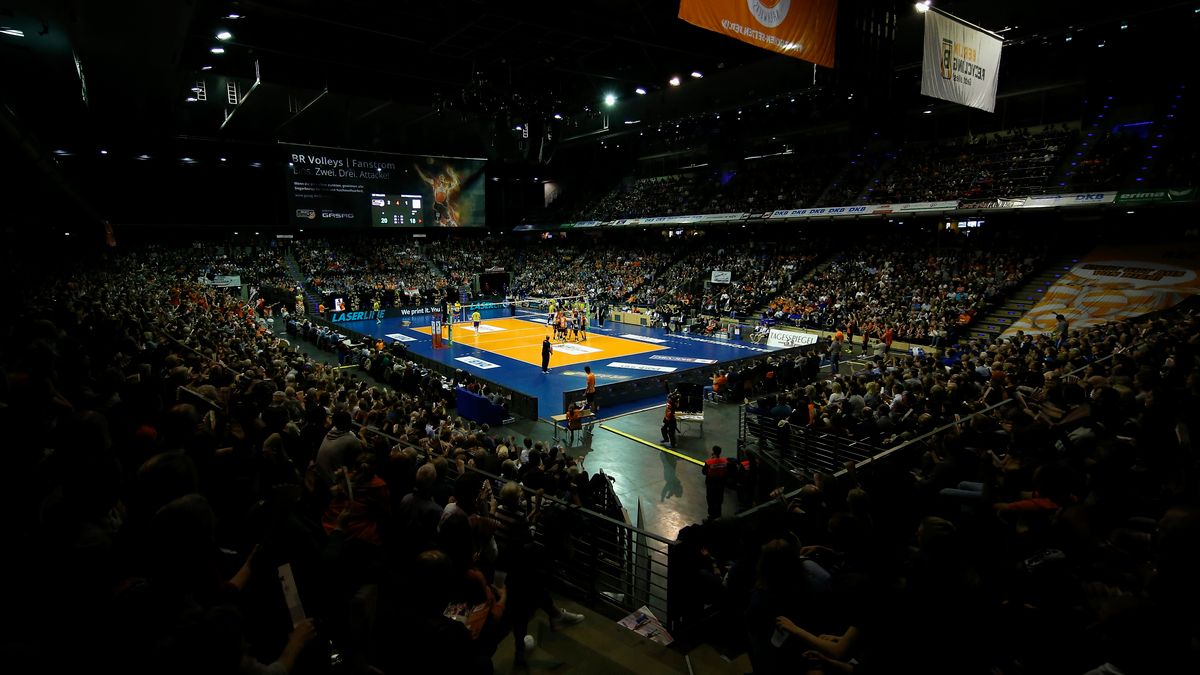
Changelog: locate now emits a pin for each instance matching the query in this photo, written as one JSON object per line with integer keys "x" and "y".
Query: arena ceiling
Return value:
{"x": 453, "y": 76}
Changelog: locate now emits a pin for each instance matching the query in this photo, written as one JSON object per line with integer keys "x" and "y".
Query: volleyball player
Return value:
{"x": 475, "y": 319}
{"x": 583, "y": 326}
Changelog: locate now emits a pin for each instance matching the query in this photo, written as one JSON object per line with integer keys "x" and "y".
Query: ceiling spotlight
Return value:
{"x": 217, "y": 50}
{"x": 192, "y": 99}
{"x": 610, "y": 100}
{"x": 222, "y": 159}
{"x": 674, "y": 81}
{"x": 557, "y": 116}
{"x": 142, "y": 158}
{"x": 697, "y": 74}
{"x": 640, "y": 91}
{"x": 224, "y": 35}
{"x": 923, "y": 6}
{"x": 14, "y": 32}
{"x": 927, "y": 112}
{"x": 104, "y": 152}
{"x": 205, "y": 67}
{"x": 235, "y": 17}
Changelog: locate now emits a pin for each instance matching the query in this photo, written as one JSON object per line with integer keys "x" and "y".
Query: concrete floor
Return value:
{"x": 670, "y": 490}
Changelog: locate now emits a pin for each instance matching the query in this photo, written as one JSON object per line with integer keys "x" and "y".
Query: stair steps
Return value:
{"x": 1002, "y": 317}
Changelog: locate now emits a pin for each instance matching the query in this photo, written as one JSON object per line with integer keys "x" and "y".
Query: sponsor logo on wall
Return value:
{"x": 788, "y": 338}
{"x": 342, "y": 317}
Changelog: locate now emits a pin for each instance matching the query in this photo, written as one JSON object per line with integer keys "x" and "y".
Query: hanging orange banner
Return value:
{"x": 802, "y": 29}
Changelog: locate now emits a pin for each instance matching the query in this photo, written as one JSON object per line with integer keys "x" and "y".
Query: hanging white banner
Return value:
{"x": 961, "y": 63}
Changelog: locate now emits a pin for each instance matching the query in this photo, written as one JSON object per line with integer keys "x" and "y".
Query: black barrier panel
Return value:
{"x": 659, "y": 386}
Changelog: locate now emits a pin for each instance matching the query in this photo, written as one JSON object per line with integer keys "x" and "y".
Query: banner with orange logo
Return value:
{"x": 1115, "y": 284}
{"x": 803, "y": 29}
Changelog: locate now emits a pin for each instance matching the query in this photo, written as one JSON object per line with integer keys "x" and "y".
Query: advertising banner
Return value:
{"x": 802, "y": 29}
{"x": 721, "y": 277}
{"x": 353, "y": 189}
{"x": 961, "y": 63}
{"x": 790, "y": 338}
{"x": 995, "y": 203}
{"x": 367, "y": 315}
{"x": 789, "y": 214}
{"x": 222, "y": 281}
{"x": 1073, "y": 199}
{"x": 913, "y": 207}
{"x": 1152, "y": 196}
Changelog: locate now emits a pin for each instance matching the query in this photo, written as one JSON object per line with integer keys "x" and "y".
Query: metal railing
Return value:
{"x": 881, "y": 455}
{"x": 798, "y": 450}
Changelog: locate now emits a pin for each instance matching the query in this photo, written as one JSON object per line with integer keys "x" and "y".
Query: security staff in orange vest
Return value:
{"x": 716, "y": 469}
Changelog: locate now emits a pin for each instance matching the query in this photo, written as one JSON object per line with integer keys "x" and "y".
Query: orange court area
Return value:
{"x": 522, "y": 340}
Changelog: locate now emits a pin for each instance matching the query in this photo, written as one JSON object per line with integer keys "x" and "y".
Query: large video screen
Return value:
{"x": 345, "y": 188}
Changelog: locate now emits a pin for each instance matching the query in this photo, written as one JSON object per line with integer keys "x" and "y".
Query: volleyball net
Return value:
{"x": 543, "y": 310}
{"x": 531, "y": 309}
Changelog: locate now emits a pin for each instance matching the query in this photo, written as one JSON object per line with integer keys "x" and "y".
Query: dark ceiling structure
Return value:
{"x": 193, "y": 82}
{"x": 452, "y": 77}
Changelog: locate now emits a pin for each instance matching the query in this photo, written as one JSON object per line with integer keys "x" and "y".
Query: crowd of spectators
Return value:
{"x": 1106, "y": 159}
{"x": 674, "y": 195}
{"x": 362, "y": 270}
{"x": 758, "y": 272}
{"x": 905, "y": 288}
{"x": 257, "y": 266}
{"x": 1005, "y": 164}
{"x": 765, "y": 184}
{"x": 461, "y": 259}
{"x": 174, "y": 453}
{"x": 1051, "y": 527}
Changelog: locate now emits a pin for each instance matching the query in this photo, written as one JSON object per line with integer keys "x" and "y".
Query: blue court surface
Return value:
{"x": 622, "y": 353}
